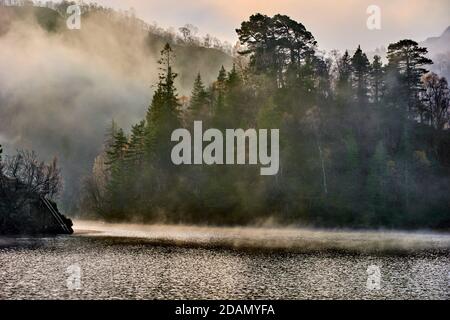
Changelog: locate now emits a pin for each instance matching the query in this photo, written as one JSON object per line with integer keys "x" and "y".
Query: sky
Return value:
{"x": 338, "y": 24}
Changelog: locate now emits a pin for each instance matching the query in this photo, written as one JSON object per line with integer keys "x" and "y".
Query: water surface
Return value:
{"x": 175, "y": 262}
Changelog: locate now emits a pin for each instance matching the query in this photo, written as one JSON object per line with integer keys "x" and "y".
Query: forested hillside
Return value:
{"x": 60, "y": 88}
{"x": 363, "y": 144}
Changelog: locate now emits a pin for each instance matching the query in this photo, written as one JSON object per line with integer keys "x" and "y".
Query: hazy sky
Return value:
{"x": 337, "y": 24}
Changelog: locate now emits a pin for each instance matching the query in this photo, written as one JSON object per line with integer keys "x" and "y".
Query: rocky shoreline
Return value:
{"x": 22, "y": 213}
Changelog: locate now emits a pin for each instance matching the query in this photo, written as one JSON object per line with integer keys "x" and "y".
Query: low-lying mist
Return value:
{"x": 288, "y": 239}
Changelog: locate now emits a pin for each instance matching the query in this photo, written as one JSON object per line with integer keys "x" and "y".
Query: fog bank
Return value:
{"x": 60, "y": 90}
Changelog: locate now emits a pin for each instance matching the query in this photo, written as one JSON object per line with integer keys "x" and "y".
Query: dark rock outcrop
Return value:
{"x": 22, "y": 213}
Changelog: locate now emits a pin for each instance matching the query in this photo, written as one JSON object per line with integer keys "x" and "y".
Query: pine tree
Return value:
{"x": 343, "y": 86}
{"x": 220, "y": 93}
{"x": 361, "y": 70}
{"x": 221, "y": 81}
{"x": 135, "y": 166}
{"x": 118, "y": 175}
{"x": 199, "y": 99}
{"x": 136, "y": 147}
{"x": 115, "y": 157}
{"x": 406, "y": 61}
{"x": 233, "y": 79}
{"x": 118, "y": 148}
{"x": 274, "y": 44}
{"x": 406, "y": 64}
{"x": 163, "y": 114}
{"x": 377, "y": 79}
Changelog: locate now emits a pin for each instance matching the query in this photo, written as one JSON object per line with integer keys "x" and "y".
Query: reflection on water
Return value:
{"x": 121, "y": 262}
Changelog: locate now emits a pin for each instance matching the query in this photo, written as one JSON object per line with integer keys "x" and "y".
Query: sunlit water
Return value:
{"x": 174, "y": 262}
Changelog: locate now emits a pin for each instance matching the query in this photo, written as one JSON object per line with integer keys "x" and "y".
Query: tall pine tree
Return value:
{"x": 376, "y": 79}
{"x": 406, "y": 62}
{"x": 361, "y": 71}
{"x": 163, "y": 113}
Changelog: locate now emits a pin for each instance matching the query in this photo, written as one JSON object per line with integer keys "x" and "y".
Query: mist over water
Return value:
{"x": 289, "y": 239}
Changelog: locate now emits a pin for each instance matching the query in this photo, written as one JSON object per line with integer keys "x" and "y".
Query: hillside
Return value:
{"x": 76, "y": 81}
{"x": 47, "y": 19}
{"x": 190, "y": 58}
{"x": 437, "y": 45}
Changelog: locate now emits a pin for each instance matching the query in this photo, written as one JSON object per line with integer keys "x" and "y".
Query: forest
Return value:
{"x": 363, "y": 144}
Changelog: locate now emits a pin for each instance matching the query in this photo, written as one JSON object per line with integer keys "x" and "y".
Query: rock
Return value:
{"x": 29, "y": 214}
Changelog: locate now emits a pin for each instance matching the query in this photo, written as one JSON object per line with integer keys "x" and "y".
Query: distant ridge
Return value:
{"x": 206, "y": 60}
{"x": 438, "y": 45}
{"x": 439, "y": 52}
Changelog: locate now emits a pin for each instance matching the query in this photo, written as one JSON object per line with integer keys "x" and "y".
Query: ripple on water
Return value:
{"x": 117, "y": 270}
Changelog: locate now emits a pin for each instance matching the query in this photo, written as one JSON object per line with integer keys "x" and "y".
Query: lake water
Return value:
{"x": 103, "y": 261}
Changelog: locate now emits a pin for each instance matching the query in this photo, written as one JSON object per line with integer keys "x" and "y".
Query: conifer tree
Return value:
{"x": 199, "y": 99}
{"x": 163, "y": 114}
{"x": 235, "y": 102}
{"x": 343, "y": 86}
{"x": 117, "y": 150}
{"x": 118, "y": 175}
{"x": 406, "y": 62}
{"x": 136, "y": 147}
{"x": 361, "y": 70}
{"x": 221, "y": 84}
{"x": 219, "y": 90}
{"x": 376, "y": 79}
{"x": 233, "y": 79}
